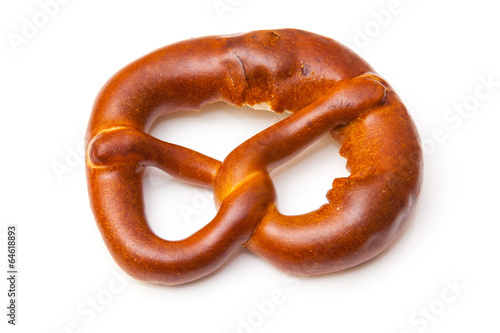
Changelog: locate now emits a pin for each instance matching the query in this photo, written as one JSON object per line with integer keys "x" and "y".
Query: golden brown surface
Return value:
{"x": 327, "y": 88}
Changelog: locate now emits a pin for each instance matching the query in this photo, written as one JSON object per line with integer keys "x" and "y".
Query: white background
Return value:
{"x": 440, "y": 276}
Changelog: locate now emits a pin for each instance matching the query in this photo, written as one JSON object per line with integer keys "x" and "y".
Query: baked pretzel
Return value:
{"x": 325, "y": 86}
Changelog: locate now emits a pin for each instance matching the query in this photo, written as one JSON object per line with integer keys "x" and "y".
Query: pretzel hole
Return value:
{"x": 175, "y": 210}
{"x": 215, "y": 130}
{"x": 303, "y": 182}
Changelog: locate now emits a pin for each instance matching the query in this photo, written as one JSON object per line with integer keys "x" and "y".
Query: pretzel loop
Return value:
{"x": 327, "y": 89}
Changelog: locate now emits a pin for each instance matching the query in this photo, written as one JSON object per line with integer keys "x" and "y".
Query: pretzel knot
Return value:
{"x": 326, "y": 87}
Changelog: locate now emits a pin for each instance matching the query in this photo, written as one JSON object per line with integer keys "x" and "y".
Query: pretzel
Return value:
{"x": 326, "y": 88}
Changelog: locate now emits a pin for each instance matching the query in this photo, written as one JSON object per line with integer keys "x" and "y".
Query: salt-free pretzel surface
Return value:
{"x": 326, "y": 87}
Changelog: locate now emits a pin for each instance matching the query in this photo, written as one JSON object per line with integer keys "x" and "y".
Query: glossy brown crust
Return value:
{"x": 325, "y": 86}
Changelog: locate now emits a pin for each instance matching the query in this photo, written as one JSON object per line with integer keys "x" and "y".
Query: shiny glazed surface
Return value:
{"x": 326, "y": 87}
